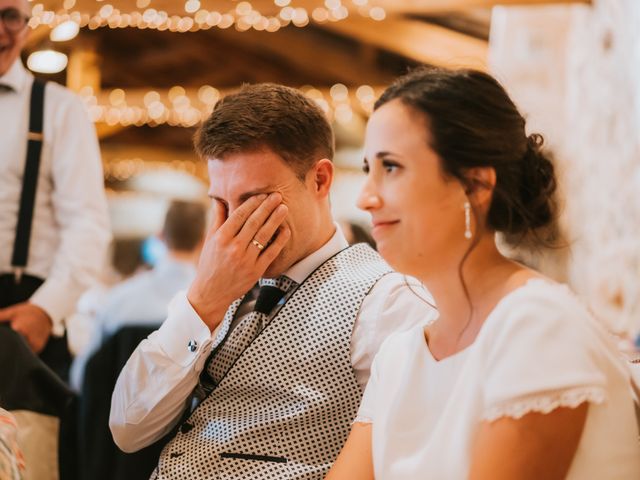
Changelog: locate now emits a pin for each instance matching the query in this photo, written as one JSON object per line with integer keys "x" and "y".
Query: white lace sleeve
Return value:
{"x": 545, "y": 402}
{"x": 361, "y": 419}
{"x": 545, "y": 354}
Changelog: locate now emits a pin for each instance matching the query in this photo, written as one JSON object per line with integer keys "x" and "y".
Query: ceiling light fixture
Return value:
{"x": 47, "y": 61}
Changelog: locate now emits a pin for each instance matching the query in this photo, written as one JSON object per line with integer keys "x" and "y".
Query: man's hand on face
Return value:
{"x": 30, "y": 321}
{"x": 230, "y": 263}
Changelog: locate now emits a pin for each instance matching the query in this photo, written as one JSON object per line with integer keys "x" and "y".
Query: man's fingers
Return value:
{"x": 7, "y": 314}
{"x": 238, "y": 218}
{"x": 18, "y": 327}
{"x": 270, "y": 253}
{"x": 36, "y": 329}
{"x": 219, "y": 217}
{"x": 258, "y": 219}
{"x": 269, "y": 228}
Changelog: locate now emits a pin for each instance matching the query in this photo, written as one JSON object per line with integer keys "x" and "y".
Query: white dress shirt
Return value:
{"x": 140, "y": 300}
{"x": 152, "y": 388}
{"x": 70, "y": 231}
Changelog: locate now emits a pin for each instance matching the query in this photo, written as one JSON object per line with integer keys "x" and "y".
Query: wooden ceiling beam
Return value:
{"x": 435, "y": 7}
{"x": 311, "y": 53}
{"x": 416, "y": 40}
{"x": 105, "y": 131}
{"x": 267, "y": 7}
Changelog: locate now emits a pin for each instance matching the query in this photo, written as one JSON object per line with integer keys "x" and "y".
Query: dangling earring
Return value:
{"x": 467, "y": 220}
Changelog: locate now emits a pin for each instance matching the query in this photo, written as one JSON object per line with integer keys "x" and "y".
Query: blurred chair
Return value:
{"x": 99, "y": 457}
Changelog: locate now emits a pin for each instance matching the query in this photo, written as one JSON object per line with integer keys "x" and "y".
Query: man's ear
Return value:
{"x": 320, "y": 177}
{"x": 481, "y": 181}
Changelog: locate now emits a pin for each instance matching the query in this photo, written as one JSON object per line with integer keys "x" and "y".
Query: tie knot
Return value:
{"x": 271, "y": 292}
{"x": 283, "y": 283}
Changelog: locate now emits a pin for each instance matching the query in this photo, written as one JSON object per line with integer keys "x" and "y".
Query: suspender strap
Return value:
{"x": 30, "y": 178}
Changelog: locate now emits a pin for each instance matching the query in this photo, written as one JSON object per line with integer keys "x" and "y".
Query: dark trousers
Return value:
{"x": 31, "y": 385}
{"x": 56, "y": 352}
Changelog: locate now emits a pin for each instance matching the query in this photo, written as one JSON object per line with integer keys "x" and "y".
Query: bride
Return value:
{"x": 515, "y": 380}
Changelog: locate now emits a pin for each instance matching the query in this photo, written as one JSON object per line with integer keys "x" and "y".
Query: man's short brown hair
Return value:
{"x": 280, "y": 118}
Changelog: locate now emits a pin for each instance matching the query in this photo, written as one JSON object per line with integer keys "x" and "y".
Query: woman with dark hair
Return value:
{"x": 515, "y": 380}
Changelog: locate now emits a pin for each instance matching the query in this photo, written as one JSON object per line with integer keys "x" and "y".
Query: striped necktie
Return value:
{"x": 248, "y": 327}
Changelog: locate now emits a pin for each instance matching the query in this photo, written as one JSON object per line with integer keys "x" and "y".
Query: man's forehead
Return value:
{"x": 238, "y": 176}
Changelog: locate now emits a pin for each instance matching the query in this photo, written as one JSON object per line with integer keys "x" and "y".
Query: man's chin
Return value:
{"x": 6, "y": 60}
{"x": 274, "y": 270}
{"x": 277, "y": 267}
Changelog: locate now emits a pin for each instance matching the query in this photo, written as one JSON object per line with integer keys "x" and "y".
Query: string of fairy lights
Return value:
{"x": 181, "y": 107}
{"x": 122, "y": 169}
{"x": 186, "y": 108}
{"x": 243, "y": 16}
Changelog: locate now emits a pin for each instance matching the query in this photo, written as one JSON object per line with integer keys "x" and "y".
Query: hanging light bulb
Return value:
{"x": 47, "y": 61}
{"x": 65, "y": 31}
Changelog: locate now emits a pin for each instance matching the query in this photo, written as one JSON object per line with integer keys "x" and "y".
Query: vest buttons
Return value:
{"x": 192, "y": 345}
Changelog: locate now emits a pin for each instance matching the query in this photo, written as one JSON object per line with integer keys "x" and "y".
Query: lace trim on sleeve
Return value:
{"x": 362, "y": 419}
{"x": 546, "y": 402}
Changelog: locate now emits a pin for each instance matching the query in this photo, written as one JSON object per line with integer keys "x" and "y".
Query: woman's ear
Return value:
{"x": 481, "y": 182}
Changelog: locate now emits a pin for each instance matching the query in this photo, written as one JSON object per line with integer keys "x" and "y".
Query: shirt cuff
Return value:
{"x": 56, "y": 302}
{"x": 183, "y": 336}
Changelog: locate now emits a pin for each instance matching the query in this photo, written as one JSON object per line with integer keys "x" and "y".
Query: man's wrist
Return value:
{"x": 210, "y": 313}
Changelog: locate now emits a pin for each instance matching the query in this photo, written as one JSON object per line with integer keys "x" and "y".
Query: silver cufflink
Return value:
{"x": 192, "y": 345}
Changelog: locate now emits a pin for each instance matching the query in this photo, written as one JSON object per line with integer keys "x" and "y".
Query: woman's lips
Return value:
{"x": 380, "y": 227}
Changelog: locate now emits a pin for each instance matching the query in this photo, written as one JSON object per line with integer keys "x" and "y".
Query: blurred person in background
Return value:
{"x": 54, "y": 232}
{"x": 144, "y": 298}
{"x": 54, "y": 225}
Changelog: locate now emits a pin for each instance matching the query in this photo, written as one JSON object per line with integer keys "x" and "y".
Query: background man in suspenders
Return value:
{"x": 54, "y": 227}
{"x": 264, "y": 381}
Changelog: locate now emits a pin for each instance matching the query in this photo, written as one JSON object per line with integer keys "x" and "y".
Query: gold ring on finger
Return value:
{"x": 257, "y": 244}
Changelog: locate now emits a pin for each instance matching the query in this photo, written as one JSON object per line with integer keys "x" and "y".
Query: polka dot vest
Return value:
{"x": 284, "y": 409}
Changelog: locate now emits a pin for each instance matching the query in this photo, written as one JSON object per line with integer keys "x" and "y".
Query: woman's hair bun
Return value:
{"x": 537, "y": 189}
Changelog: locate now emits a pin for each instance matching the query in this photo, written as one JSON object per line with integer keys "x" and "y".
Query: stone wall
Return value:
{"x": 575, "y": 72}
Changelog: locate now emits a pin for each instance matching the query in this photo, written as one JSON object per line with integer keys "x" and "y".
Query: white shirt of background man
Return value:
{"x": 70, "y": 231}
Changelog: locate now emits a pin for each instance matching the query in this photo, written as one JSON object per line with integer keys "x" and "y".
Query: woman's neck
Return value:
{"x": 487, "y": 276}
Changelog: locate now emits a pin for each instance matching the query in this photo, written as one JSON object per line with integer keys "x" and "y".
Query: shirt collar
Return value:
{"x": 307, "y": 265}
{"x": 16, "y": 77}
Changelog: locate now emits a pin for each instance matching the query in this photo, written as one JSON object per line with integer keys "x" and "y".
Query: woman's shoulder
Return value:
{"x": 545, "y": 316}
{"x": 541, "y": 311}
{"x": 544, "y": 300}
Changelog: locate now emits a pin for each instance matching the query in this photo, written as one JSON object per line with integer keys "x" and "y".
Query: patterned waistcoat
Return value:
{"x": 284, "y": 409}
